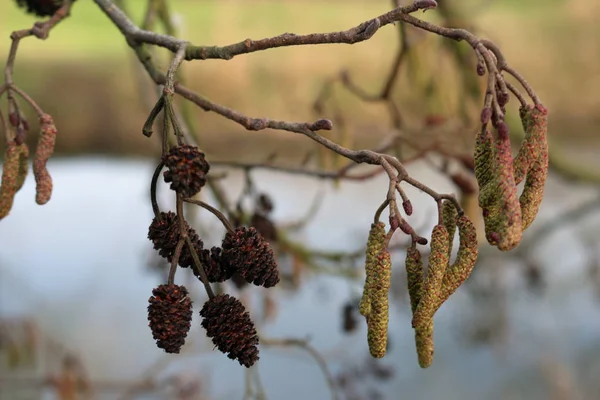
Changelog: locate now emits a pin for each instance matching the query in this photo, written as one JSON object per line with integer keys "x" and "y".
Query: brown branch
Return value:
{"x": 359, "y": 33}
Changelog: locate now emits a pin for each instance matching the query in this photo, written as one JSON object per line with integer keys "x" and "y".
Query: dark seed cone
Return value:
{"x": 248, "y": 253}
{"x": 165, "y": 235}
{"x": 170, "y": 316}
{"x": 229, "y": 326}
{"x": 186, "y": 169}
{"x": 41, "y": 8}
{"x": 216, "y": 270}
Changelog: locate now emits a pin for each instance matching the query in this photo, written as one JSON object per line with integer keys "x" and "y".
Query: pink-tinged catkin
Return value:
{"x": 432, "y": 285}
{"x": 379, "y": 286}
{"x": 534, "y": 121}
{"x": 533, "y": 192}
{"x": 10, "y": 177}
{"x": 375, "y": 243}
{"x": 45, "y": 148}
{"x": 510, "y": 228}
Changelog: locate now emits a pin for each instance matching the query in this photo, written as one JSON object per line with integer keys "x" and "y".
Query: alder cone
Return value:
{"x": 170, "y": 316}
{"x": 229, "y": 326}
{"x": 41, "y": 8}
{"x": 250, "y": 255}
{"x": 165, "y": 234}
{"x": 216, "y": 270}
{"x": 186, "y": 169}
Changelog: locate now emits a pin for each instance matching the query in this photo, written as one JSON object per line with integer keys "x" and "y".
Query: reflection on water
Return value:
{"x": 79, "y": 266}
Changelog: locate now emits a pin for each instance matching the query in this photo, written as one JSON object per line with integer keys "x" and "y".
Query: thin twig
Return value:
{"x": 314, "y": 353}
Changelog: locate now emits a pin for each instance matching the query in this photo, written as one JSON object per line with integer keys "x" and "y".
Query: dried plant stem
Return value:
{"x": 175, "y": 261}
{"x": 214, "y": 211}
{"x": 153, "y": 183}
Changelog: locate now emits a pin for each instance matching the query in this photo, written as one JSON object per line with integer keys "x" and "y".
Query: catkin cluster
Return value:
{"x": 507, "y": 214}
{"x": 16, "y": 162}
{"x": 429, "y": 291}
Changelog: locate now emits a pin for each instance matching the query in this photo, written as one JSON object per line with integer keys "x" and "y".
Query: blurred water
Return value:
{"x": 78, "y": 265}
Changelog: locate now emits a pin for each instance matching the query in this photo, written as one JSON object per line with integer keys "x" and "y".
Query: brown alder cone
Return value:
{"x": 229, "y": 326}
{"x": 170, "y": 316}
{"x": 45, "y": 148}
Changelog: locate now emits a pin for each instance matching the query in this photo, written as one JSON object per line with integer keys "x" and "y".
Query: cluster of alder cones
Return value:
{"x": 243, "y": 251}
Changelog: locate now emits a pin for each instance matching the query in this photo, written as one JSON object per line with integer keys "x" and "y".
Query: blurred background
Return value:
{"x": 76, "y": 274}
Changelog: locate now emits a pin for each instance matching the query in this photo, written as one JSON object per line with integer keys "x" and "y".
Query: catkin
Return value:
{"x": 375, "y": 244}
{"x": 533, "y": 191}
{"x": 484, "y": 167}
{"x": 23, "y": 165}
{"x": 510, "y": 228}
{"x": 465, "y": 261}
{"x": 377, "y": 325}
{"x": 449, "y": 216}
{"x": 10, "y": 177}
{"x": 45, "y": 148}
{"x": 425, "y": 344}
{"x": 414, "y": 276}
{"x": 424, "y": 334}
{"x": 432, "y": 285}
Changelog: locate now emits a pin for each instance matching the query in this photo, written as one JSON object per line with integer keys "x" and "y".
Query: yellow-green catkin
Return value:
{"x": 510, "y": 227}
{"x": 375, "y": 244}
{"x": 465, "y": 261}
{"x": 424, "y": 334}
{"x": 377, "y": 323}
{"x": 432, "y": 285}
{"x": 425, "y": 344}
{"x": 414, "y": 276}
{"x": 533, "y": 191}
{"x": 10, "y": 177}
{"x": 449, "y": 216}
{"x": 484, "y": 167}
{"x": 23, "y": 165}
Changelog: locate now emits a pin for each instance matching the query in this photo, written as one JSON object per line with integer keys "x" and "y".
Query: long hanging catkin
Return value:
{"x": 375, "y": 244}
{"x": 432, "y": 285}
{"x": 423, "y": 334}
{"x": 379, "y": 286}
{"x": 535, "y": 121}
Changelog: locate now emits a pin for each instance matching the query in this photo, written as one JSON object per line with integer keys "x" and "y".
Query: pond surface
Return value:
{"x": 79, "y": 266}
